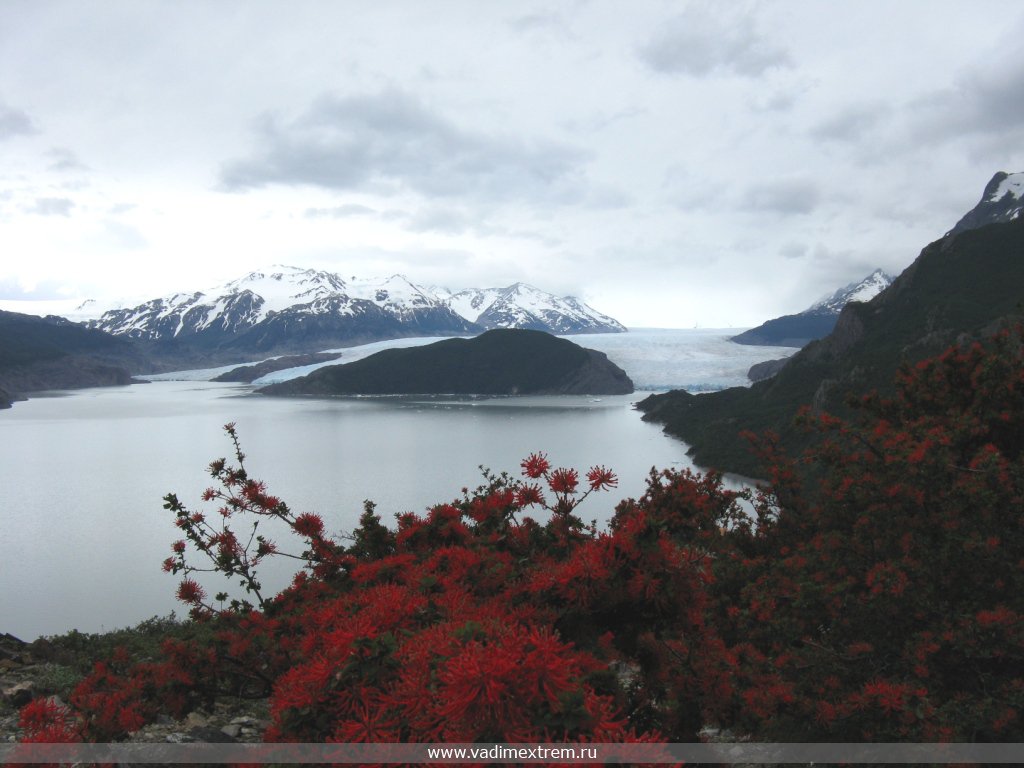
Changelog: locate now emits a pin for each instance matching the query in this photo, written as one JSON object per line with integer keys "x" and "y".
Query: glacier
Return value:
{"x": 656, "y": 359}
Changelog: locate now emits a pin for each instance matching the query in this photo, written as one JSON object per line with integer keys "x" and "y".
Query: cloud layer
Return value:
{"x": 389, "y": 142}
{"x": 672, "y": 164}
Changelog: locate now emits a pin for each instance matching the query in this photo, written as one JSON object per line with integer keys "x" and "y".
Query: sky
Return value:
{"x": 672, "y": 164}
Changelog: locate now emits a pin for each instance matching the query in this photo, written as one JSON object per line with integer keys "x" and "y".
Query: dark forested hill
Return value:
{"x": 957, "y": 288}
{"x": 53, "y": 353}
{"x": 498, "y": 362}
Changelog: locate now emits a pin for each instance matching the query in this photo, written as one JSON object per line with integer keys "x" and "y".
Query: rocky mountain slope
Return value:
{"x": 818, "y": 320}
{"x": 499, "y": 362}
{"x": 289, "y": 309}
{"x": 960, "y": 287}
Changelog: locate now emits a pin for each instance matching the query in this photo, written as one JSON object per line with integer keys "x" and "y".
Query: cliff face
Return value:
{"x": 499, "y": 362}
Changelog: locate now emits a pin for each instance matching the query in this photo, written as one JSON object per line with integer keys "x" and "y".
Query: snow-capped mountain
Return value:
{"x": 863, "y": 290}
{"x": 523, "y": 306}
{"x": 293, "y": 309}
{"x": 1002, "y": 200}
{"x": 818, "y": 320}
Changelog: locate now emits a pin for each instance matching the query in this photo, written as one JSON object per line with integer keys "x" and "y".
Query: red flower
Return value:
{"x": 309, "y": 524}
{"x": 564, "y": 480}
{"x": 535, "y": 465}
{"x": 529, "y": 494}
{"x": 601, "y": 478}
{"x": 189, "y": 591}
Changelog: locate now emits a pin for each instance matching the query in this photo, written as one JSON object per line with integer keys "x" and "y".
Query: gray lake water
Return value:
{"x": 83, "y": 474}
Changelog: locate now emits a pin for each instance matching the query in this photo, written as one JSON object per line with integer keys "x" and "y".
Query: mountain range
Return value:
{"x": 961, "y": 287}
{"x": 289, "y": 309}
{"x": 818, "y": 320}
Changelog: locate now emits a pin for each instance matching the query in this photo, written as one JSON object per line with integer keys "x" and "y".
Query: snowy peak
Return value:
{"x": 1002, "y": 200}
{"x": 292, "y": 309}
{"x": 282, "y": 286}
{"x": 1004, "y": 184}
{"x": 524, "y": 306}
{"x": 863, "y": 290}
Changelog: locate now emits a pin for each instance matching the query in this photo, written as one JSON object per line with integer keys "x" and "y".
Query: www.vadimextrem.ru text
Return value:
{"x": 502, "y": 752}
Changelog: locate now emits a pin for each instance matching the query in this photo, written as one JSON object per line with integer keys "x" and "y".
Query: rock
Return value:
{"x": 19, "y": 694}
{"x": 767, "y": 369}
{"x": 196, "y": 720}
{"x": 208, "y": 735}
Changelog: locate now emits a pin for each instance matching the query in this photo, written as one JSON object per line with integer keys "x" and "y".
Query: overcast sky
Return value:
{"x": 670, "y": 163}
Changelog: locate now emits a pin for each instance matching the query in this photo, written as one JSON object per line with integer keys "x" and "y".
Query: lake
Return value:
{"x": 84, "y": 473}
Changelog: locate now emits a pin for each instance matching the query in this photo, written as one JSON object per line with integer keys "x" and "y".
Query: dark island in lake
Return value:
{"x": 498, "y": 362}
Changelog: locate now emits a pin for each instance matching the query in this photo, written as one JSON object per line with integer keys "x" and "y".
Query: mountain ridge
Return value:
{"x": 818, "y": 320}
{"x": 39, "y": 353}
{"x": 298, "y": 310}
{"x": 961, "y": 287}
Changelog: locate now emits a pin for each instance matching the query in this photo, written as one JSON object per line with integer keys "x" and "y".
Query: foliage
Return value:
{"x": 872, "y": 590}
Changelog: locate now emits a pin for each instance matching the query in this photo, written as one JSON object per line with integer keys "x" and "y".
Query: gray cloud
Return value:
{"x": 444, "y": 220}
{"x": 789, "y": 197}
{"x": 851, "y": 124}
{"x": 541, "y": 21}
{"x": 986, "y": 105}
{"x": 65, "y": 160}
{"x": 52, "y": 206}
{"x": 793, "y": 251}
{"x": 339, "y": 211}
{"x": 14, "y": 122}
{"x": 707, "y": 39}
{"x": 390, "y": 142}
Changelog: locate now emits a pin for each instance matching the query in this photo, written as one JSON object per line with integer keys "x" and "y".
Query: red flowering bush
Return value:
{"x": 873, "y": 589}
{"x": 881, "y": 597}
{"x": 473, "y": 622}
